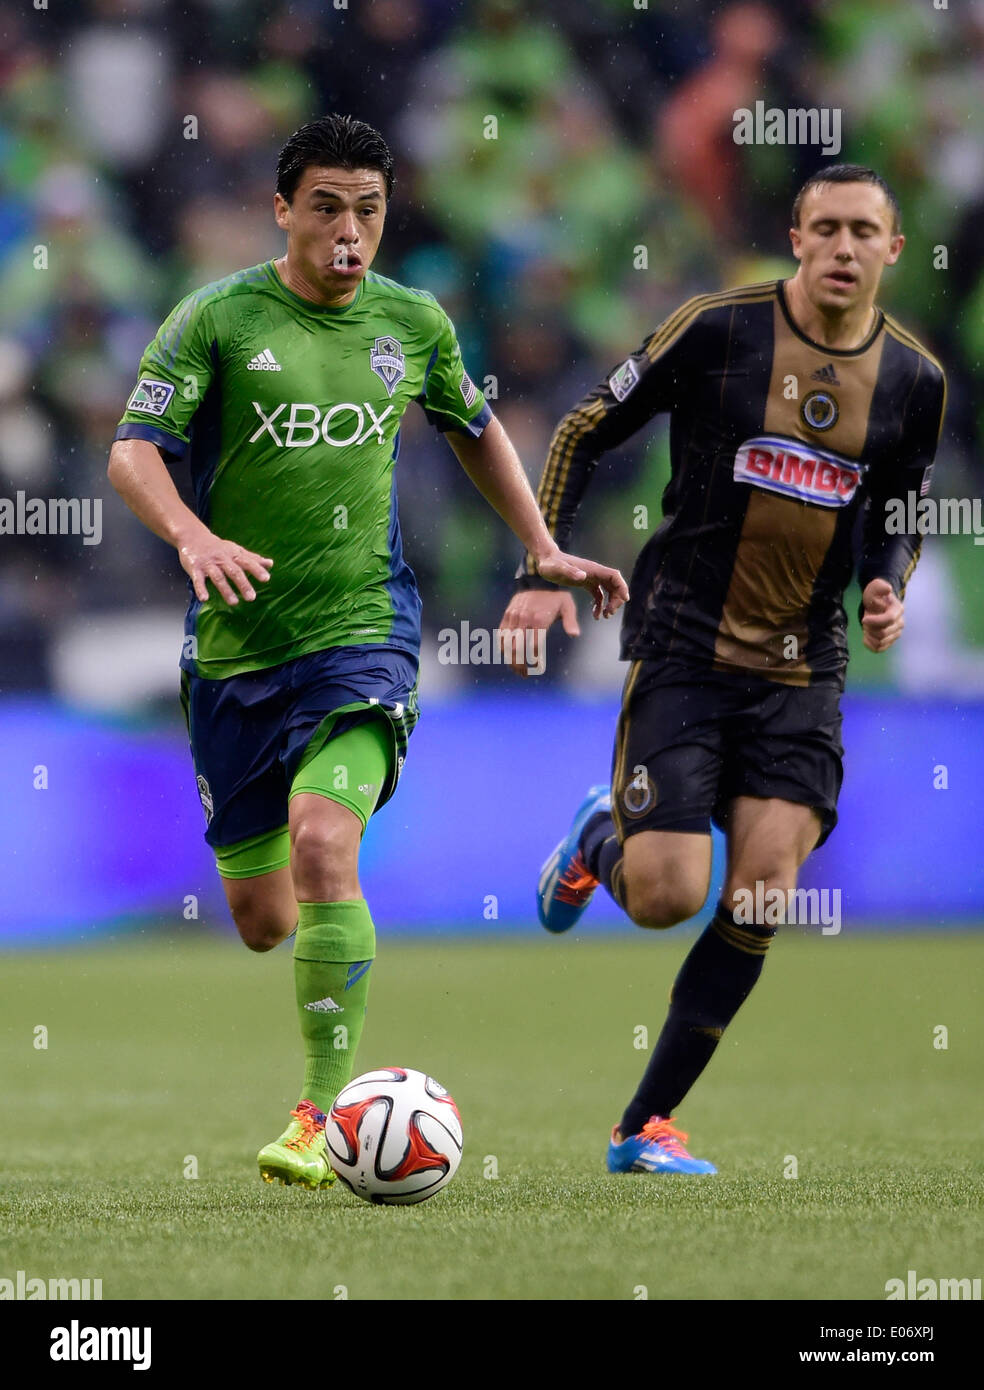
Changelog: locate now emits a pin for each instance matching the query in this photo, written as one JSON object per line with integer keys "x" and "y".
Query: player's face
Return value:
{"x": 843, "y": 243}
{"x": 333, "y": 225}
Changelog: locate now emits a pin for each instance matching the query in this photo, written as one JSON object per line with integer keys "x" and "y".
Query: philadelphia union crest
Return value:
{"x": 639, "y": 794}
{"x": 386, "y": 360}
{"x": 819, "y": 410}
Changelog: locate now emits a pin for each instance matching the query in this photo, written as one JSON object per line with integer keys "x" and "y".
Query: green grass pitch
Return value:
{"x": 163, "y": 1049}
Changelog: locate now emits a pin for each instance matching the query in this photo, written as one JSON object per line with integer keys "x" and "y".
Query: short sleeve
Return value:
{"x": 174, "y": 375}
{"x": 450, "y": 398}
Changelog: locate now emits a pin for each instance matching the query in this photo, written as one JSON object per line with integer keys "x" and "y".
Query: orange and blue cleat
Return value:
{"x": 657, "y": 1148}
{"x": 566, "y": 884}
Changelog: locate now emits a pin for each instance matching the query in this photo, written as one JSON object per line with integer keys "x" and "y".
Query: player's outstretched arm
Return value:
{"x": 494, "y": 467}
{"x": 137, "y": 472}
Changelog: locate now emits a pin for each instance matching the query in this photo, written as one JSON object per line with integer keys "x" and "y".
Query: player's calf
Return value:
{"x": 324, "y": 856}
{"x": 768, "y": 840}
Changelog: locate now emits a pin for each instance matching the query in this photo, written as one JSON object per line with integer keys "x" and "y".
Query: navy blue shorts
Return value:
{"x": 248, "y": 733}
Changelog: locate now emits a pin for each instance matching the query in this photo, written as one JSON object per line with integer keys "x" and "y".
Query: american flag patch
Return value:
{"x": 469, "y": 391}
{"x": 927, "y": 479}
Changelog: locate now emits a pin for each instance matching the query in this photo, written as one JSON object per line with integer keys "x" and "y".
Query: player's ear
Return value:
{"x": 895, "y": 249}
{"x": 281, "y": 210}
{"x": 797, "y": 242}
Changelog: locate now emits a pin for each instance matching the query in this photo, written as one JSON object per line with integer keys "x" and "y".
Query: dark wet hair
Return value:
{"x": 335, "y": 142}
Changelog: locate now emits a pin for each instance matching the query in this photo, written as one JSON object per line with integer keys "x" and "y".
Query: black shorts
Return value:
{"x": 687, "y": 746}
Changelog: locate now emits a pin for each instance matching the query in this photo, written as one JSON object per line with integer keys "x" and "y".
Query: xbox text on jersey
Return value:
{"x": 306, "y": 424}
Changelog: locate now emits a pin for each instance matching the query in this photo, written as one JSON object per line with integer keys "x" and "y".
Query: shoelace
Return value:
{"x": 311, "y": 1118}
{"x": 576, "y": 883}
{"x": 662, "y": 1132}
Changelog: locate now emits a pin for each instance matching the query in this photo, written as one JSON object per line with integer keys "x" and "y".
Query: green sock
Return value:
{"x": 333, "y": 952}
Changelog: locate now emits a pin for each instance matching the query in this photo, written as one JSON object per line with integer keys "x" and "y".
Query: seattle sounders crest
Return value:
{"x": 386, "y": 360}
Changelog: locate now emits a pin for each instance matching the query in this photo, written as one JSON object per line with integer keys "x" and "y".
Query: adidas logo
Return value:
{"x": 827, "y": 375}
{"x": 263, "y": 362}
{"x": 324, "y": 1006}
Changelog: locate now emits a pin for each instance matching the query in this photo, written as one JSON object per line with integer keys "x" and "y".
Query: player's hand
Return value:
{"x": 883, "y": 621}
{"x": 606, "y": 586}
{"x": 205, "y": 556}
{"x": 523, "y": 630}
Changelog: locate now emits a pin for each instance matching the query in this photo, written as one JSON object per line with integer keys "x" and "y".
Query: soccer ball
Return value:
{"x": 394, "y": 1136}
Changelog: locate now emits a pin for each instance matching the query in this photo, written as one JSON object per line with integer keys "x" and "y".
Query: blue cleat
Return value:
{"x": 657, "y": 1148}
{"x": 566, "y": 885}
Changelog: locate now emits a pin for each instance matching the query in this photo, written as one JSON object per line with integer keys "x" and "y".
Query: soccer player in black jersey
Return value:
{"x": 794, "y": 406}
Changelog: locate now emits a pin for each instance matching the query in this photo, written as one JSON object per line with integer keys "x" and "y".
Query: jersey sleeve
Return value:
{"x": 175, "y": 372}
{"x": 649, "y": 381}
{"x": 885, "y": 555}
{"x": 450, "y": 398}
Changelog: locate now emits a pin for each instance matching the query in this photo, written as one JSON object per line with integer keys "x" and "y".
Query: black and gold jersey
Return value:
{"x": 776, "y": 443}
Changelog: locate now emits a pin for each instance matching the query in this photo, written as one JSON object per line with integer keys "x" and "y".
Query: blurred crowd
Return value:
{"x": 138, "y": 141}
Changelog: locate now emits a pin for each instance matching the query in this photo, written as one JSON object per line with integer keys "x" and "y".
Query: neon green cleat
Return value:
{"x": 299, "y": 1155}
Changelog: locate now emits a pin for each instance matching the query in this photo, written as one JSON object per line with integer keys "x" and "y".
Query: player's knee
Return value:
{"x": 323, "y": 852}
{"x": 261, "y": 940}
{"x": 742, "y": 890}
{"x": 659, "y": 905}
{"x": 260, "y": 930}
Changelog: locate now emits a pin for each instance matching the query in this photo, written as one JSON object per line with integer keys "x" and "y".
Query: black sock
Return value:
{"x": 596, "y": 831}
{"x": 714, "y": 981}
{"x": 602, "y": 854}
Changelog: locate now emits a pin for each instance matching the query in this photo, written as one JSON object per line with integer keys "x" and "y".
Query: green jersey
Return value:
{"x": 290, "y": 414}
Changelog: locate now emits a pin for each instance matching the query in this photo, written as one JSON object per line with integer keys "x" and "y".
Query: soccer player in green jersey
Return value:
{"x": 284, "y": 385}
